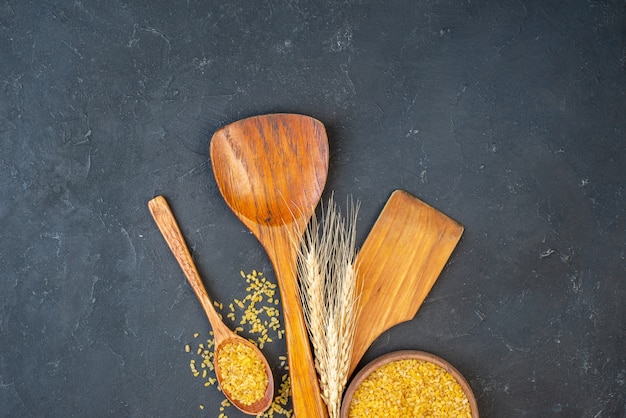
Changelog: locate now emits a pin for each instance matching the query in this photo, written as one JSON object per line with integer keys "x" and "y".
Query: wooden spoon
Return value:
{"x": 222, "y": 335}
{"x": 271, "y": 170}
{"x": 398, "y": 264}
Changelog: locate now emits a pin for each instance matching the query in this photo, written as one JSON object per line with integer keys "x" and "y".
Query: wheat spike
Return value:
{"x": 329, "y": 295}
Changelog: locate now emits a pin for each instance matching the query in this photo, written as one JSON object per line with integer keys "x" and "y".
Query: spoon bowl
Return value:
{"x": 222, "y": 335}
{"x": 271, "y": 171}
{"x": 263, "y": 403}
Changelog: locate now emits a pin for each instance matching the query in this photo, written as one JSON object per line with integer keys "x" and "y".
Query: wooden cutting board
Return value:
{"x": 398, "y": 264}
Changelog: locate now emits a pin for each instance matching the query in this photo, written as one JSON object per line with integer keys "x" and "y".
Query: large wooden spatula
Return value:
{"x": 398, "y": 264}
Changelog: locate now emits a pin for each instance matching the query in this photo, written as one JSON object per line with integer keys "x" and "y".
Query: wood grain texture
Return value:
{"x": 398, "y": 264}
{"x": 271, "y": 171}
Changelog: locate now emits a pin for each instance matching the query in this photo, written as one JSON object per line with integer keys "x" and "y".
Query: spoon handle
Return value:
{"x": 168, "y": 226}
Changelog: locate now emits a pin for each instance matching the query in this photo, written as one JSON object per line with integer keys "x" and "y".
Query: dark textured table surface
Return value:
{"x": 509, "y": 116}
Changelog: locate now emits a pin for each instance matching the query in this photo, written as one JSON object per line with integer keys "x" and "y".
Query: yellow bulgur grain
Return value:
{"x": 411, "y": 387}
{"x": 260, "y": 292}
{"x": 243, "y": 372}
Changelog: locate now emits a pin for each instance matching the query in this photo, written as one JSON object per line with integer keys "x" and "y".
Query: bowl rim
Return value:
{"x": 405, "y": 355}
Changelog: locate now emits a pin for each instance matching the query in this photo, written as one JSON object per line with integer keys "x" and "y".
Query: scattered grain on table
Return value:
{"x": 257, "y": 316}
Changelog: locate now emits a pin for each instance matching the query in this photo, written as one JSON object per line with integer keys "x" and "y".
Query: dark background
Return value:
{"x": 508, "y": 116}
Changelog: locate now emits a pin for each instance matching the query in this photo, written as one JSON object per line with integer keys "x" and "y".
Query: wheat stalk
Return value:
{"x": 329, "y": 295}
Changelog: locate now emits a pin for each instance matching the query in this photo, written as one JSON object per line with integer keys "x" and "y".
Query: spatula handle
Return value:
{"x": 305, "y": 388}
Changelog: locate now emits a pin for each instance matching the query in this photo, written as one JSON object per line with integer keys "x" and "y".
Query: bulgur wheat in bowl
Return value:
{"x": 409, "y": 384}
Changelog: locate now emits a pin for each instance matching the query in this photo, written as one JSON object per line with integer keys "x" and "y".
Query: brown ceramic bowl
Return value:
{"x": 404, "y": 355}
